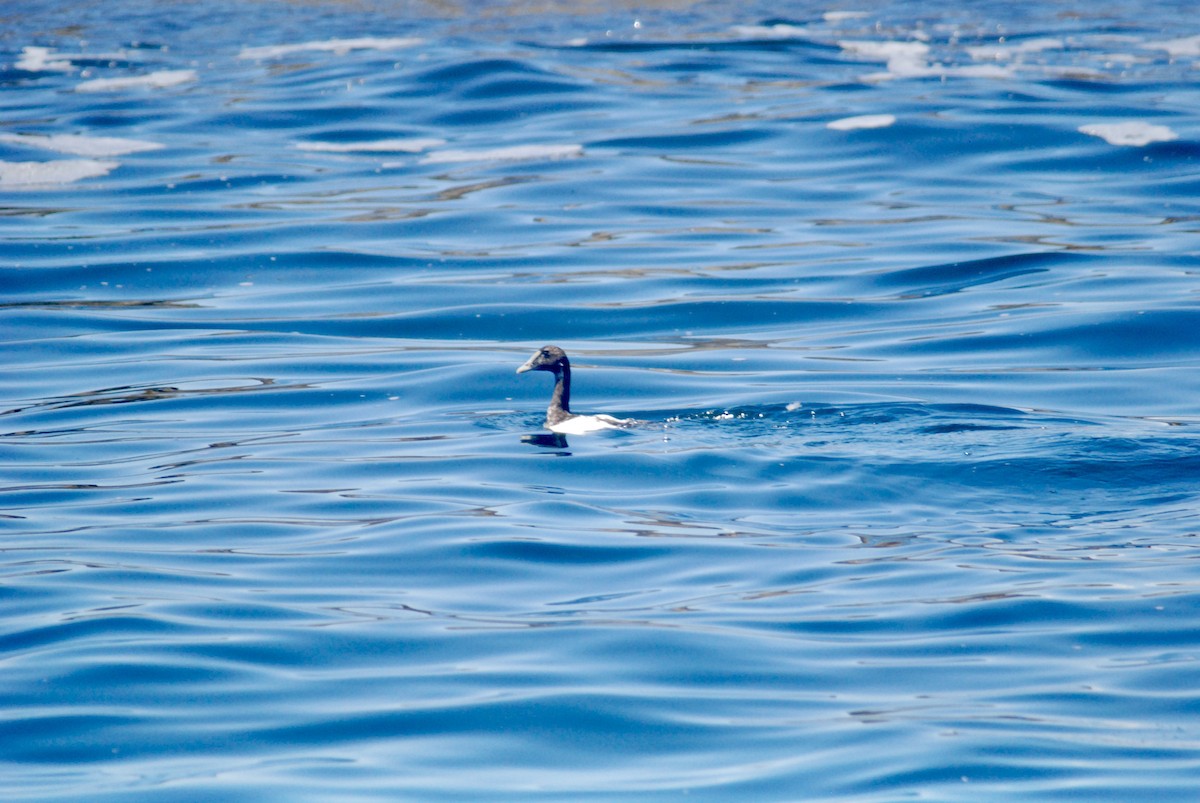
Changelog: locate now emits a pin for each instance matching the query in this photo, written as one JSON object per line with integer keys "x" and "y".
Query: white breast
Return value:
{"x": 581, "y": 424}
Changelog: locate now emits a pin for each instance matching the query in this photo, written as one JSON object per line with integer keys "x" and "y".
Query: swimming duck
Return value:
{"x": 559, "y": 417}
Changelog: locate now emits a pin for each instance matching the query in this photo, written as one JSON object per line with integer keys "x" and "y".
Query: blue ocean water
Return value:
{"x": 903, "y": 296}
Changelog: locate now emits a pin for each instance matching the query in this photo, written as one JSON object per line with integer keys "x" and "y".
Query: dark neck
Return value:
{"x": 561, "y": 399}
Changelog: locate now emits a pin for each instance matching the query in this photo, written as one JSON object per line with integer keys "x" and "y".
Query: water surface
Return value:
{"x": 904, "y": 297}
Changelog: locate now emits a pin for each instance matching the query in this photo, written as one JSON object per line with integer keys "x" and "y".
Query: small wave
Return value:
{"x": 513, "y": 153}
{"x": 61, "y": 171}
{"x": 408, "y": 145}
{"x": 911, "y": 60}
{"x": 1008, "y": 52}
{"x": 862, "y": 121}
{"x": 42, "y": 59}
{"x": 1175, "y": 48}
{"x": 160, "y": 79}
{"x": 779, "y": 30}
{"x": 78, "y": 145}
{"x": 1133, "y": 132}
{"x": 843, "y": 16}
{"x": 337, "y": 46}
{"x": 901, "y": 57}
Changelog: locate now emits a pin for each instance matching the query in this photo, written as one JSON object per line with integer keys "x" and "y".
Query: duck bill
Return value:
{"x": 528, "y": 366}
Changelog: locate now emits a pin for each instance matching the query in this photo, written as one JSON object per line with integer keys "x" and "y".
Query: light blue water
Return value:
{"x": 906, "y": 301}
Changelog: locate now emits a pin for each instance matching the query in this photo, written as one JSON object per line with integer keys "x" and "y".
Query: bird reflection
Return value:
{"x": 547, "y": 440}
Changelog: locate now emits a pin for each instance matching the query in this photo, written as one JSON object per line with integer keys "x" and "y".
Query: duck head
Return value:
{"x": 547, "y": 358}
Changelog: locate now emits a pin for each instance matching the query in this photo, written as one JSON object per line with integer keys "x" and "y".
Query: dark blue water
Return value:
{"x": 905, "y": 300}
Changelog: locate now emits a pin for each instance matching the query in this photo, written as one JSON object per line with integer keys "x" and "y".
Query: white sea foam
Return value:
{"x": 1008, "y": 52}
{"x": 77, "y": 145}
{"x": 410, "y": 145}
{"x": 862, "y": 121}
{"x": 338, "y": 46}
{"x": 778, "y": 31}
{"x": 155, "y": 80}
{"x": 911, "y": 60}
{"x": 1134, "y": 132}
{"x": 61, "y": 171}
{"x": 871, "y": 50}
{"x": 902, "y": 58}
{"x": 42, "y": 59}
{"x": 842, "y": 16}
{"x": 1187, "y": 46}
{"x": 971, "y": 71}
{"x": 509, "y": 154}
